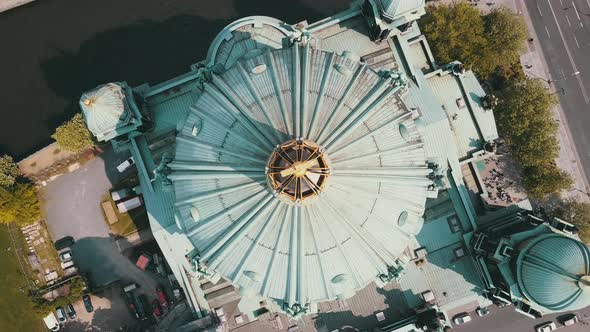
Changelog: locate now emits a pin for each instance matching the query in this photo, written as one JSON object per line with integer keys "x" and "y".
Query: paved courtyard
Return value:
{"x": 72, "y": 208}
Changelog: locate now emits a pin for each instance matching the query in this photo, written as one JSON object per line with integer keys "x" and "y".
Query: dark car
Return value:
{"x": 156, "y": 308}
{"x": 162, "y": 297}
{"x": 142, "y": 306}
{"x": 64, "y": 242}
{"x": 87, "y": 303}
{"x": 70, "y": 311}
{"x": 130, "y": 299}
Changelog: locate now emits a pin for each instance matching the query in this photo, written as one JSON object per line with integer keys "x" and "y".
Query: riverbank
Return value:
{"x": 9, "y": 4}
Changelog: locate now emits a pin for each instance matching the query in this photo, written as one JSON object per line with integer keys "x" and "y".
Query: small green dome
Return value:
{"x": 554, "y": 272}
{"x": 104, "y": 109}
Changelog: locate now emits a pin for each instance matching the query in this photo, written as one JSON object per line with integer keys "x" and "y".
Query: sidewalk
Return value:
{"x": 9, "y": 4}
{"x": 568, "y": 155}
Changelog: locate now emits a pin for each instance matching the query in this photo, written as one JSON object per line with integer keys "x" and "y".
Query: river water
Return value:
{"x": 53, "y": 50}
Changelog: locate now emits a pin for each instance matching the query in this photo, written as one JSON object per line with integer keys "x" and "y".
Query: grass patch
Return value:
{"x": 129, "y": 222}
{"x": 16, "y": 310}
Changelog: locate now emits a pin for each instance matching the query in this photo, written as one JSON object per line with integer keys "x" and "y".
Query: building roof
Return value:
{"x": 103, "y": 108}
{"x": 554, "y": 271}
{"x": 358, "y": 225}
{"x": 395, "y": 8}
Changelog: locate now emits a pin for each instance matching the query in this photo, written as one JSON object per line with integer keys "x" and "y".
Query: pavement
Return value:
{"x": 562, "y": 48}
{"x": 72, "y": 208}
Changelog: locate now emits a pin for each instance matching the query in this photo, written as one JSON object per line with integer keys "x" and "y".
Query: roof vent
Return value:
{"x": 195, "y": 213}
{"x": 342, "y": 69}
{"x": 196, "y": 128}
{"x": 402, "y": 219}
{"x": 258, "y": 69}
{"x": 404, "y": 132}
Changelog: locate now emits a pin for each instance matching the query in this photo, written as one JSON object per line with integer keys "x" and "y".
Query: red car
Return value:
{"x": 162, "y": 297}
{"x": 157, "y": 310}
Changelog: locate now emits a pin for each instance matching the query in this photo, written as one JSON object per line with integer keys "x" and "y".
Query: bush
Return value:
{"x": 73, "y": 135}
{"x": 577, "y": 213}
{"x": 9, "y": 171}
{"x": 19, "y": 204}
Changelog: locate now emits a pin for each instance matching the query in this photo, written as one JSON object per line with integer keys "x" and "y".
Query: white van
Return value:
{"x": 120, "y": 194}
{"x": 51, "y": 322}
{"x": 65, "y": 265}
{"x": 129, "y": 204}
{"x": 125, "y": 165}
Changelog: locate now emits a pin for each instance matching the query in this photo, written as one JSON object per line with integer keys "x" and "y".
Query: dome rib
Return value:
{"x": 347, "y": 234}
{"x": 550, "y": 270}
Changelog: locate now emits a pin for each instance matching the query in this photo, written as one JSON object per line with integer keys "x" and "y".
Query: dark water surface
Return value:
{"x": 53, "y": 50}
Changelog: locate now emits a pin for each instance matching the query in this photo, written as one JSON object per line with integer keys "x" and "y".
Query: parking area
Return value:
{"x": 508, "y": 320}
{"x": 72, "y": 207}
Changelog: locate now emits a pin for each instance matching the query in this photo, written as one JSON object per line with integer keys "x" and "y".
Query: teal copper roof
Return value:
{"x": 554, "y": 272}
{"x": 107, "y": 112}
{"x": 396, "y": 8}
{"x": 236, "y": 154}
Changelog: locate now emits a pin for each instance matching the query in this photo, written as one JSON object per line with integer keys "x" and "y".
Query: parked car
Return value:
{"x": 130, "y": 287}
{"x": 130, "y": 299}
{"x": 87, "y": 303}
{"x": 130, "y": 204}
{"x": 569, "y": 319}
{"x": 156, "y": 308}
{"x": 66, "y": 256}
{"x": 546, "y": 327}
{"x": 462, "y": 318}
{"x": 61, "y": 315}
{"x": 125, "y": 165}
{"x": 64, "y": 242}
{"x": 482, "y": 311}
{"x": 162, "y": 297}
{"x": 51, "y": 322}
{"x": 142, "y": 306}
{"x": 70, "y": 311}
{"x": 68, "y": 264}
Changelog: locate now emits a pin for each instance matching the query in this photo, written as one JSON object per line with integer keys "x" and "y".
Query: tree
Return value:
{"x": 543, "y": 180}
{"x": 482, "y": 43}
{"x": 19, "y": 204}
{"x": 73, "y": 135}
{"x": 456, "y": 32}
{"x": 577, "y": 213}
{"x": 9, "y": 171}
{"x": 525, "y": 121}
{"x": 506, "y": 34}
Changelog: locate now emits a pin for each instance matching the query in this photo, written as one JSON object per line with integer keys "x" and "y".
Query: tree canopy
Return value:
{"x": 9, "y": 171}
{"x": 73, "y": 135}
{"x": 575, "y": 212}
{"x": 19, "y": 204}
{"x": 482, "y": 43}
{"x": 525, "y": 120}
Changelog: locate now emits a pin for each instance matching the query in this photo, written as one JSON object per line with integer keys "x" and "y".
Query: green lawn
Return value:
{"x": 16, "y": 313}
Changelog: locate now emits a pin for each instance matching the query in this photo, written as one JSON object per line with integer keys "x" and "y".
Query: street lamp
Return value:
{"x": 564, "y": 77}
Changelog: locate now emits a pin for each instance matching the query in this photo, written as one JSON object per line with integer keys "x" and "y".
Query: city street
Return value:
{"x": 563, "y": 29}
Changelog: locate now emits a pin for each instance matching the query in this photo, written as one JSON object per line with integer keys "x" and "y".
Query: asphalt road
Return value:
{"x": 563, "y": 29}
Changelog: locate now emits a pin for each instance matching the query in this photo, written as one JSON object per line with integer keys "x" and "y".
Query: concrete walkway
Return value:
{"x": 9, "y": 4}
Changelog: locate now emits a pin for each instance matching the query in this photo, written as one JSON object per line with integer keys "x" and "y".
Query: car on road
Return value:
{"x": 70, "y": 311}
{"x": 462, "y": 318}
{"x": 61, "y": 315}
{"x": 87, "y": 303}
{"x": 125, "y": 165}
{"x": 64, "y": 242}
{"x": 66, "y": 256}
{"x": 130, "y": 299}
{"x": 482, "y": 311}
{"x": 569, "y": 319}
{"x": 156, "y": 308}
{"x": 162, "y": 297}
{"x": 546, "y": 327}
